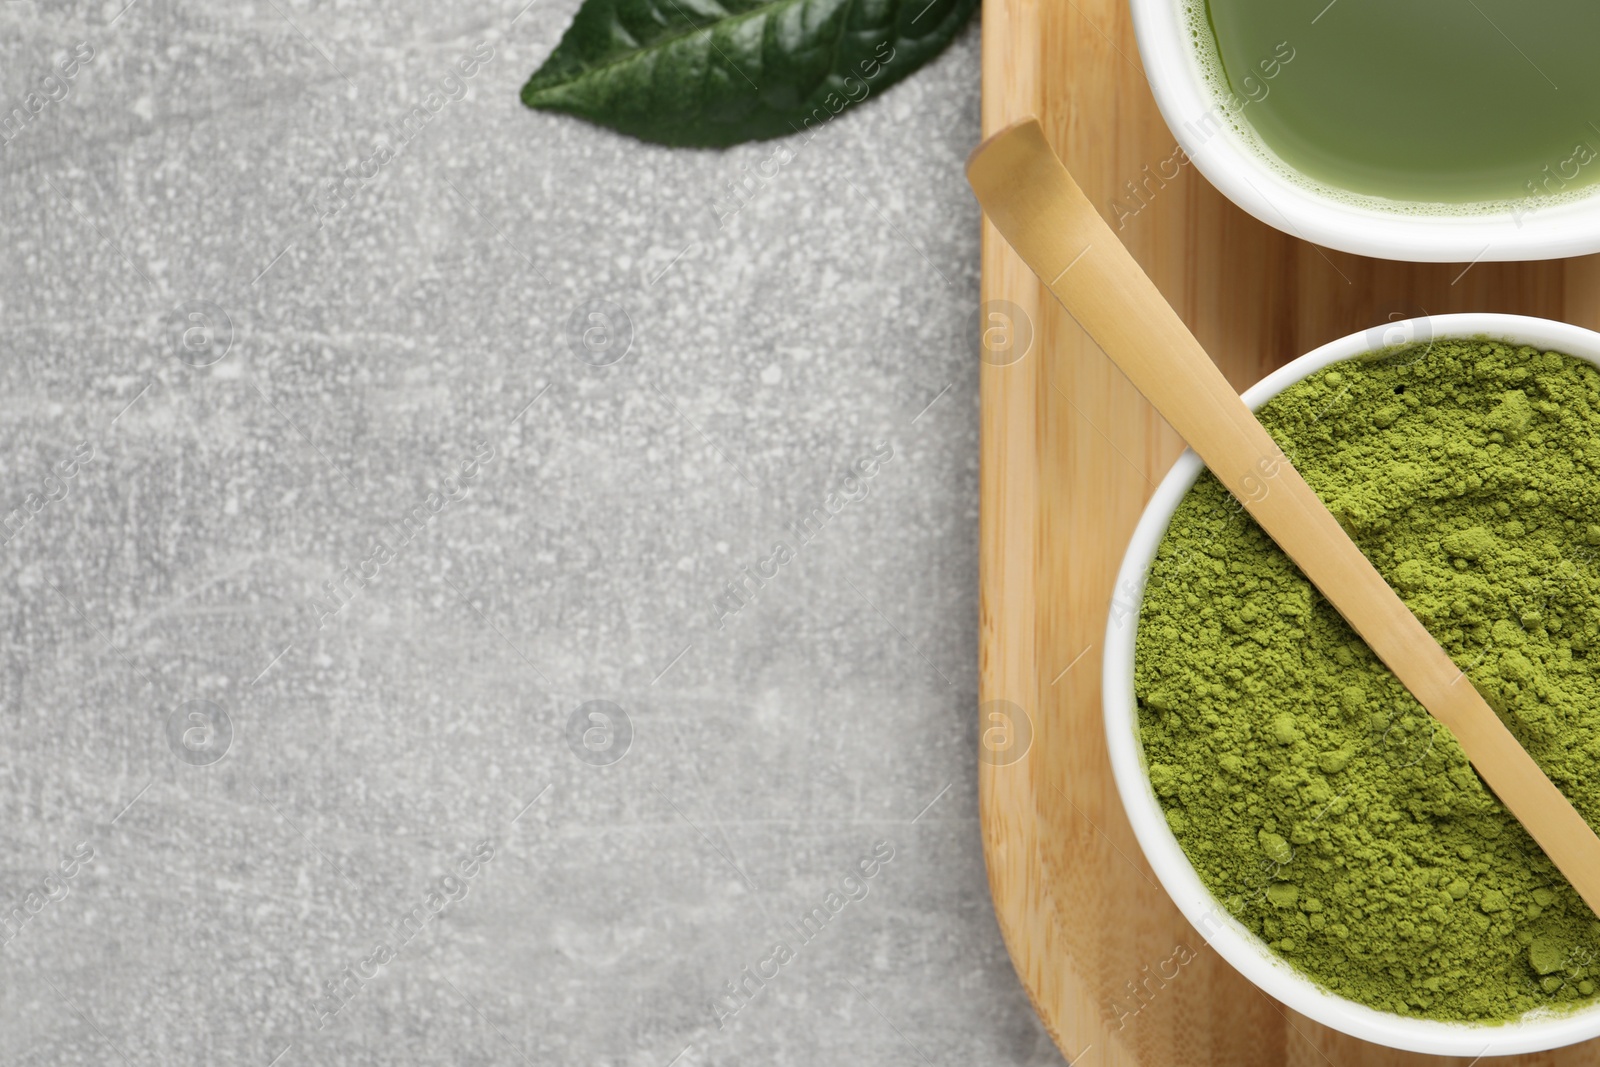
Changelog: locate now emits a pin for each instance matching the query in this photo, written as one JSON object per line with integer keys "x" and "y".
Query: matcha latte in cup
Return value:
{"x": 1430, "y": 130}
{"x": 1313, "y": 823}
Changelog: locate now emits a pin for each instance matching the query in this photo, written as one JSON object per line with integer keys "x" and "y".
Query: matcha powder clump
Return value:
{"x": 1317, "y": 800}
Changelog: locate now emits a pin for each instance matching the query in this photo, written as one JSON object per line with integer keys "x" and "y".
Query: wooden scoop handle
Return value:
{"x": 1034, "y": 203}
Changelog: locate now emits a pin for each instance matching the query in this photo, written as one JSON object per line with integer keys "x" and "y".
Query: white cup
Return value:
{"x": 1197, "y": 107}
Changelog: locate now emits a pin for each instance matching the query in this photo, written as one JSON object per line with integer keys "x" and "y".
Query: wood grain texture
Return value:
{"x": 1070, "y": 453}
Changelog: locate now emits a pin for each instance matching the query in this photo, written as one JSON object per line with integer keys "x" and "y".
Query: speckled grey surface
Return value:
{"x": 328, "y": 519}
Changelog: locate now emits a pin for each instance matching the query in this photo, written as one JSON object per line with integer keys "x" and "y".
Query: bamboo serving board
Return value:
{"x": 1070, "y": 453}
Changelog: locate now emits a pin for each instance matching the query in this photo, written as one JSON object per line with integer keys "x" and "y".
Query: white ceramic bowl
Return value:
{"x": 1233, "y": 942}
{"x": 1252, "y": 176}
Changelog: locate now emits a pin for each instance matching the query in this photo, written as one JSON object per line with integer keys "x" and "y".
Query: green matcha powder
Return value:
{"x": 1317, "y": 800}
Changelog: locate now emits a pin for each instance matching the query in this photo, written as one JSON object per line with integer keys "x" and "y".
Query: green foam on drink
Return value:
{"x": 1433, "y": 102}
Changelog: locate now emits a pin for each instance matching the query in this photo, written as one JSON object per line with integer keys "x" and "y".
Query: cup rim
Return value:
{"x": 1242, "y": 173}
{"x": 1231, "y": 940}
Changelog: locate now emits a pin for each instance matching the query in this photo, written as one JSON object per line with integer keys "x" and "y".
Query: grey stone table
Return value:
{"x": 506, "y": 598}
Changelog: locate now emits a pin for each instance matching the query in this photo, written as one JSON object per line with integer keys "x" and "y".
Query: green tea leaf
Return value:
{"x": 717, "y": 72}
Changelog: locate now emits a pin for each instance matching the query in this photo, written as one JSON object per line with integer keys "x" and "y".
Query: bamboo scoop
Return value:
{"x": 1033, "y": 201}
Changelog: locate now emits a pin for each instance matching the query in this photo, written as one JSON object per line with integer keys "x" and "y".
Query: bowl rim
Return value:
{"x": 1232, "y": 941}
{"x": 1240, "y": 170}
